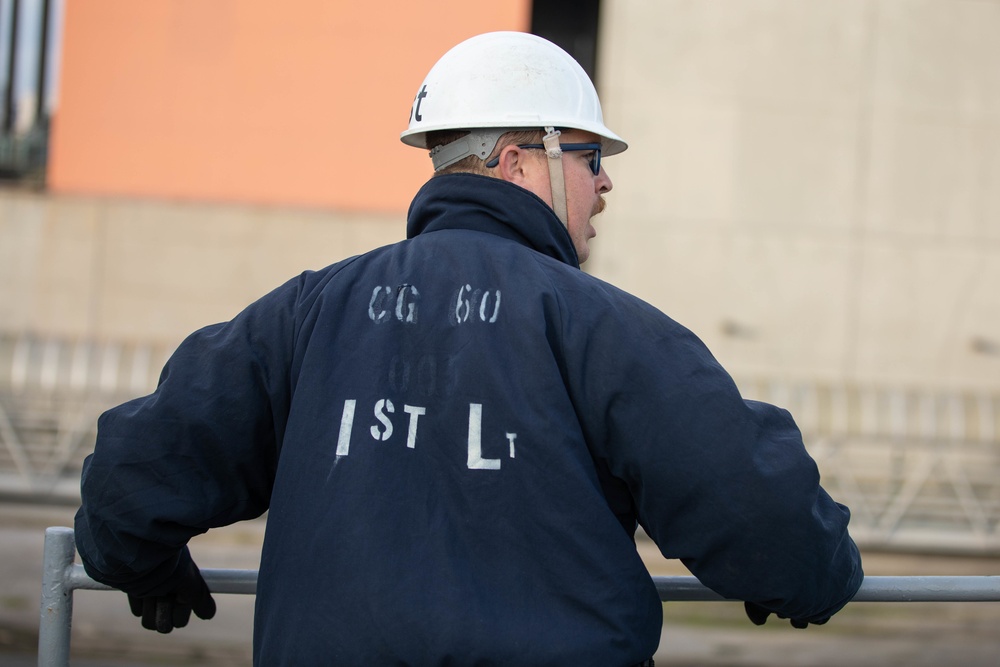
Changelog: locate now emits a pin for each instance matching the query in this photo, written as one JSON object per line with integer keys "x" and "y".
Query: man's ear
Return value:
{"x": 513, "y": 166}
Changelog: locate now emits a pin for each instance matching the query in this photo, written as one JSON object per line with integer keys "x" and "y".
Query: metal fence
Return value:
{"x": 62, "y": 575}
{"x": 919, "y": 468}
{"x": 51, "y": 393}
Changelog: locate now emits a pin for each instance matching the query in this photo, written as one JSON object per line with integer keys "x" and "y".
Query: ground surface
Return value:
{"x": 695, "y": 633}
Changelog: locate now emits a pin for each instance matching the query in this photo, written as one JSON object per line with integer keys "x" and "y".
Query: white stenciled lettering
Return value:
{"x": 346, "y": 423}
{"x": 476, "y": 460}
{"x": 406, "y": 304}
{"x": 411, "y": 434}
{"x": 383, "y": 406}
{"x": 383, "y": 430}
{"x": 468, "y": 302}
{"x": 377, "y": 312}
{"x": 462, "y": 306}
{"x": 382, "y": 305}
{"x": 496, "y": 306}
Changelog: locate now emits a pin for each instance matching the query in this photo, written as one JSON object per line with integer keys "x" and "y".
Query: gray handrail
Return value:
{"x": 61, "y": 576}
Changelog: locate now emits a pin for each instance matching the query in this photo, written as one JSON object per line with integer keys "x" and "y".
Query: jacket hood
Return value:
{"x": 490, "y": 205}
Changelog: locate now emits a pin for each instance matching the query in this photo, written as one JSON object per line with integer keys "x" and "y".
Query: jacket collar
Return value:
{"x": 493, "y": 206}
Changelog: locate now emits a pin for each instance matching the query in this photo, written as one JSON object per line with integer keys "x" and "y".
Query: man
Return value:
{"x": 456, "y": 436}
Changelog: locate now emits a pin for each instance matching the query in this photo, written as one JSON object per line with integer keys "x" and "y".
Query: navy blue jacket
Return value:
{"x": 455, "y": 437}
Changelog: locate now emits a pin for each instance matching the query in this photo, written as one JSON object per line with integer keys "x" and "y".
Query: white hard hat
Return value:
{"x": 505, "y": 81}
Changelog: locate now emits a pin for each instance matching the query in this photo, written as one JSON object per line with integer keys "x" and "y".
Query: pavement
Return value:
{"x": 105, "y": 634}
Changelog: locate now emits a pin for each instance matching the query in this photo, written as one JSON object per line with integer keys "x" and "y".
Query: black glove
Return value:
{"x": 172, "y": 610}
{"x": 758, "y": 616}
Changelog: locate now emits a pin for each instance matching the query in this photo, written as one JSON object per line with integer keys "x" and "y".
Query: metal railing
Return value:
{"x": 919, "y": 468}
{"x": 51, "y": 393}
{"x": 62, "y": 575}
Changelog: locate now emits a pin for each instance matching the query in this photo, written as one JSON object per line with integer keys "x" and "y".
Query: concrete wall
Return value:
{"x": 153, "y": 271}
{"x": 812, "y": 186}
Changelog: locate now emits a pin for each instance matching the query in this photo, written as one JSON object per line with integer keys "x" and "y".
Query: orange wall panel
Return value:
{"x": 290, "y": 103}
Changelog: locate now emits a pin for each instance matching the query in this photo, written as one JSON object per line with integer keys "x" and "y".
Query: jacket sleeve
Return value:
{"x": 198, "y": 453}
{"x": 721, "y": 483}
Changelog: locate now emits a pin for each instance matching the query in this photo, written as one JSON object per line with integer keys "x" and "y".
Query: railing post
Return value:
{"x": 56, "y": 614}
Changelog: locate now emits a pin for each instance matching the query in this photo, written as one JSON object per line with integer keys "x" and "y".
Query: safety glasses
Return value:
{"x": 595, "y": 159}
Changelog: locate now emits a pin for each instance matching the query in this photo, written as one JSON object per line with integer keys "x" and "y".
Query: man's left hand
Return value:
{"x": 758, "y": 616}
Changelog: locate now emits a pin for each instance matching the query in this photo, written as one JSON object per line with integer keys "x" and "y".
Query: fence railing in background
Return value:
{"x": 920, "y": 469}
{"x": 51, "y": 393}
{"x": 62, "y": 575}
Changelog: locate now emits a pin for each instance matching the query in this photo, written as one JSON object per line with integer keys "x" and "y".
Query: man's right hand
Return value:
{"x": 163, "y": 613}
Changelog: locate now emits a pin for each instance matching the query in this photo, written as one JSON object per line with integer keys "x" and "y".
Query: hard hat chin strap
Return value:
{"x": 557, "y": 182}
{"x": 478, "y": 142}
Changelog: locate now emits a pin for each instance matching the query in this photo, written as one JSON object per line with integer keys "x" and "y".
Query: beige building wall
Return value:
{"x": 152, "y": 271}
{"x": 812, "y": 186}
